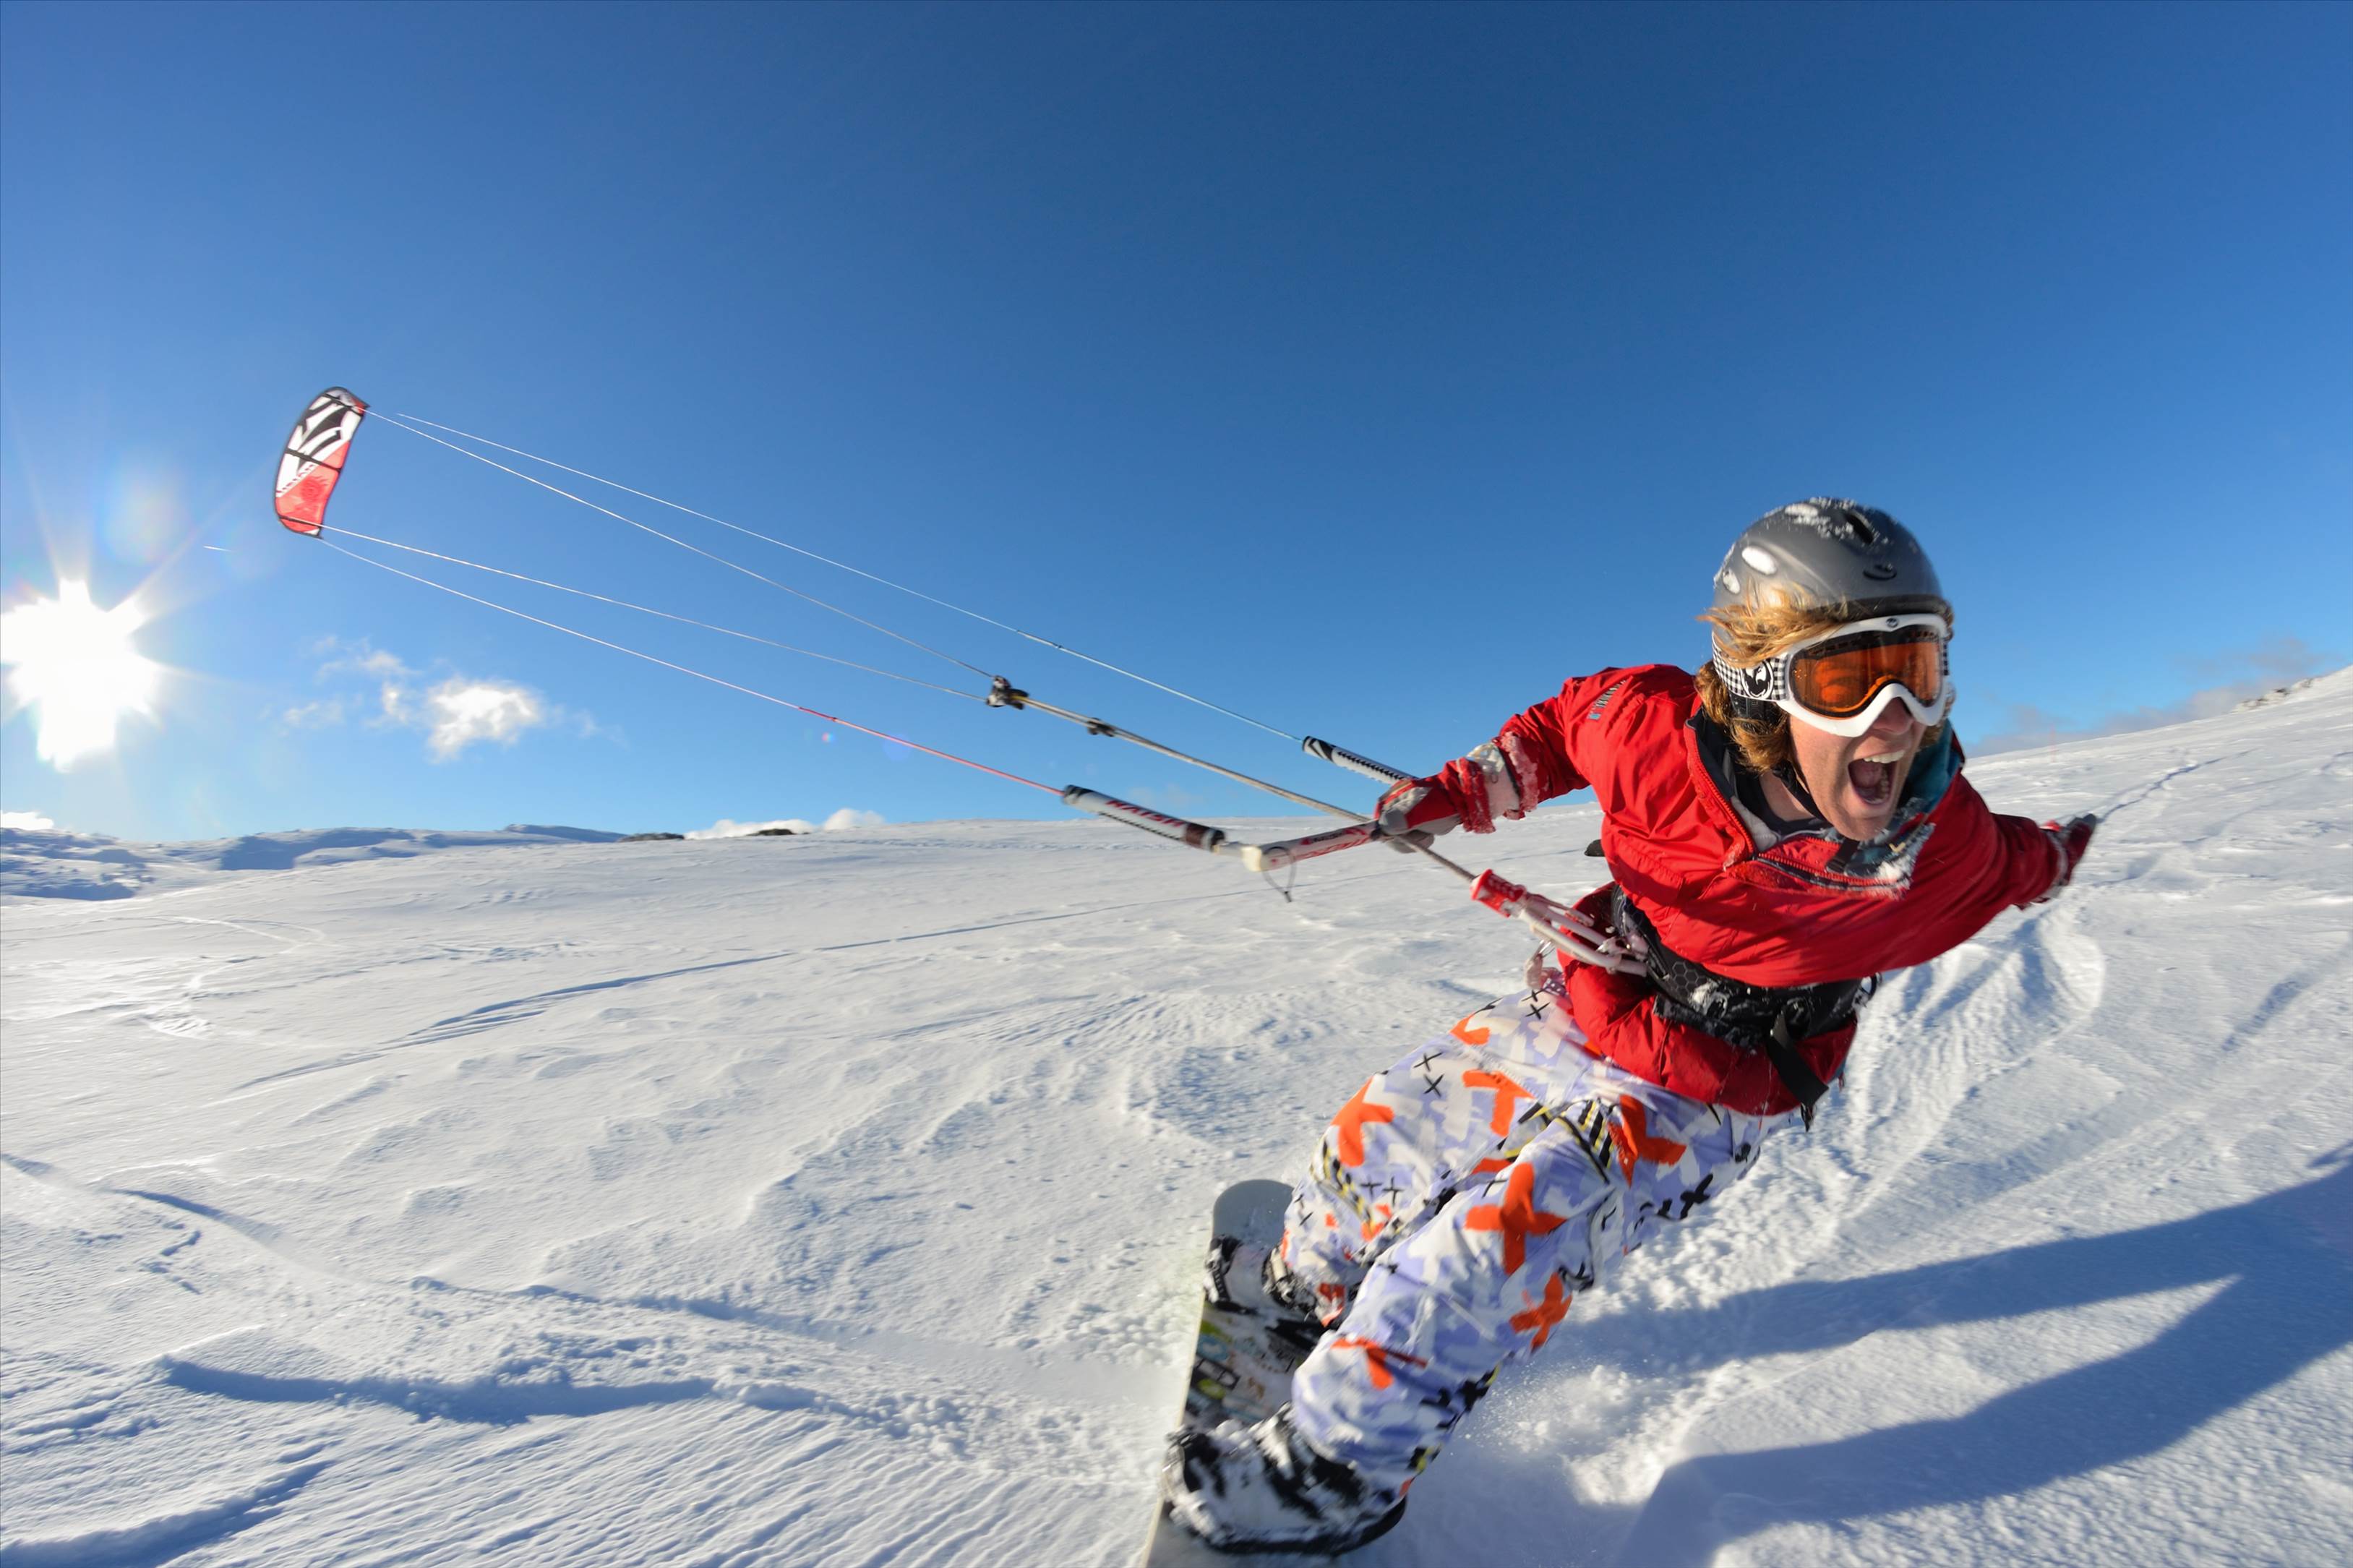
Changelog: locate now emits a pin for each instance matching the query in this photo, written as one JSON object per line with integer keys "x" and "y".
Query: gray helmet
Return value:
{"x": 1831, "y": 552}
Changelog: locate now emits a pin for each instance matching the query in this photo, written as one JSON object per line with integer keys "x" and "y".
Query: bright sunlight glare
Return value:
{"x": 76, "y": 665}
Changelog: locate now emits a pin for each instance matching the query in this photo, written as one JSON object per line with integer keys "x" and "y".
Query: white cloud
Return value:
{"x": 313, "y": 715}
{"x": 360, "y": 658}
{"x": 459, "y": 712}
{"x": 26, "y": 821}
{"x": 465, "y": 712}
{"x": 848, "y": 817}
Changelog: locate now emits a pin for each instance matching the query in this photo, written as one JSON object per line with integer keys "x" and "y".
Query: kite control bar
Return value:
{"x": 1561, "y": 927}
{"x": 1262, "y": 858}
{"x": 1290, "y": 851}
{"x": 1213, "y": 840}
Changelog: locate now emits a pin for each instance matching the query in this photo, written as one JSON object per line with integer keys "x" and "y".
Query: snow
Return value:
{"x": 836, "y": 1199}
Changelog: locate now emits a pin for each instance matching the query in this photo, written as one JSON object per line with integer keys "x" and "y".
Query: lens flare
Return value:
{"x": 79, "y": 669}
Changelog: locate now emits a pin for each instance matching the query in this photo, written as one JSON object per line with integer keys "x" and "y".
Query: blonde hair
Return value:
{"x": 1749, "y": 634}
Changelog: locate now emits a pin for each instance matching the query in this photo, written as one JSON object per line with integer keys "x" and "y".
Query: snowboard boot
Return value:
{"x": 1247, "y": 1277}
{"x": 1263, "y": 1489}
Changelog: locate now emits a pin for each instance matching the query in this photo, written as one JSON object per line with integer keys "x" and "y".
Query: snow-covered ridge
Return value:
{"x": 836, "y": 1199}
{"x": 2289, "y": 692}
{"x": 48, "y": 863}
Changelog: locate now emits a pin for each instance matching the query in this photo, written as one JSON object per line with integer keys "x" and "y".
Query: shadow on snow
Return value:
{"x": 2287, "y": 1261}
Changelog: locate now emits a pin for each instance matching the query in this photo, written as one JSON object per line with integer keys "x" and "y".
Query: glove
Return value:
{"x": 1413, "y": 812}
{"x": 2070, "y": 838}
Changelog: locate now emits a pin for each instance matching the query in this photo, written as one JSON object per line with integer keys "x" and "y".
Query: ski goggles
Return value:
{"x": 1843, "y": 680}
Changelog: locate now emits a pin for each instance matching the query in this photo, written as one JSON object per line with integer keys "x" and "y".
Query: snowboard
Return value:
{"x": 1241, "y": 1367}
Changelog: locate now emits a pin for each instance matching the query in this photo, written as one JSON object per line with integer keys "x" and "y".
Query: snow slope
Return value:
{"x": 835, "y": 1200}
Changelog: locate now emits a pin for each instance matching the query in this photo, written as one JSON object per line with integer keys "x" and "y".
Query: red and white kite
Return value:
{"x": 313, "y": 459}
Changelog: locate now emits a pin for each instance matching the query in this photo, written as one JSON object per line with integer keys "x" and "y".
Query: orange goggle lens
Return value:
{"x": 1838, "y": 678}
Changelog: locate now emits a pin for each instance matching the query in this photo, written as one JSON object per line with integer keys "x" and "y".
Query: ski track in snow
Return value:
{"x": 834, "y": 1201}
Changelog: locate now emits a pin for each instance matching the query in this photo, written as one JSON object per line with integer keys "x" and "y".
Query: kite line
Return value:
{"x": 828, "y": 560}
{"x": 312, "y": 464}
{"x": 684, "y": 670}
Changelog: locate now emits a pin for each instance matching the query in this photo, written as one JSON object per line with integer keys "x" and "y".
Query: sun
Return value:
{"x": 78, "y": 667}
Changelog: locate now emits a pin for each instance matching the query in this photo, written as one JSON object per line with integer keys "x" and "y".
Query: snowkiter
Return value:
{"x": 1781, "y": 827}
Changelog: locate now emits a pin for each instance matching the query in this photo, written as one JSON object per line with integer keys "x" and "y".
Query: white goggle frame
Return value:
{"x": 1770, "y": 681}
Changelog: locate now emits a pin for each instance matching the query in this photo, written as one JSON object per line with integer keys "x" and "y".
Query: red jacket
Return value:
{"x": 1810, "y": 908}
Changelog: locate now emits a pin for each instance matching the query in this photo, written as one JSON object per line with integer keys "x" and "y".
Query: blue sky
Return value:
{"x": 1368, "y": 370}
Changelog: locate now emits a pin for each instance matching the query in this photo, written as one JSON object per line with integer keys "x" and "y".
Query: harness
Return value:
{"x": 1766, "y": 1019}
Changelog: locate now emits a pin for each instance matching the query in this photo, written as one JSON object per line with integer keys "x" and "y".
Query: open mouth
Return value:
{"x": 1874, "y": 779}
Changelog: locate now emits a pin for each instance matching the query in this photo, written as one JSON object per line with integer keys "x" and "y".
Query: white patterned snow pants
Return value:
{"x": 1460, "y": 1199}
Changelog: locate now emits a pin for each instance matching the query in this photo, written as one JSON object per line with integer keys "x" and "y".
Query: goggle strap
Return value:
{"x": 1768, "y": 682}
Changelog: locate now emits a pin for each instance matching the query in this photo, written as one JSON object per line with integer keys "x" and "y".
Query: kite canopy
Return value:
{"x": 313, "y": 459}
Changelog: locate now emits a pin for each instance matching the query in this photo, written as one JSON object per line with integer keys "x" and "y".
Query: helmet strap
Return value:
{"x": 1793, "y": 779}
{"x": 1761, "y": 712}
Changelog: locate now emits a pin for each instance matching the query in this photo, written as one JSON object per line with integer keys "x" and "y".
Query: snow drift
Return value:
{"x": 835, "y": 1200}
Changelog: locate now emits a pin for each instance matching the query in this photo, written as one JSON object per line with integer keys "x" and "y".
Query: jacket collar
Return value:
{"x": 1716, "y": 773}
